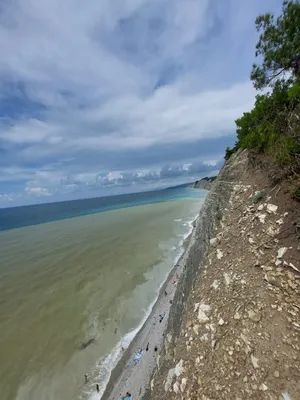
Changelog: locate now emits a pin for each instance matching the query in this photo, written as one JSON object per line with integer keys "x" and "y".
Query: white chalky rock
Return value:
{"x": 263, "y": 387}
{"x": 262, "y": 218}
{"x": 215, "y": 284}
{"x": 183, "y": 384}
{"x": 219, "y": 254}
{"x": 221, "y": 321}
{"x": 179, "y": 368}
{"x": 203, "y": 312}
{"x": 271, "y": 208}
{"x": 254, "y": 361}
{"x": 260, "y": 207}
{"x": 213, "y": 242}
{"x": 227, "y": 279}
{"x": 177, "y": 371}
{"x": 281, "y": 252}
{"x": 176, "y": 387}
{"x": 279, "y": 221}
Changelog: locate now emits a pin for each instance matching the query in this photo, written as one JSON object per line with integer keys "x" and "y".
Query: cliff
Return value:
{"x": 233, "y": 329}
{"x": 204, "y": 183}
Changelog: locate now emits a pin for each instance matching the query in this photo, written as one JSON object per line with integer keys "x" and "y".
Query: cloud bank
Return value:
{"x": 111, "y": 96}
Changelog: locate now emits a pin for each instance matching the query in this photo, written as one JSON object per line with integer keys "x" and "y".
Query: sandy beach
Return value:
{"x": 128, "y": 377}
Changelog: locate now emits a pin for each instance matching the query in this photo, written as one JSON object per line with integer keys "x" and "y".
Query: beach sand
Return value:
{"x": 127, "y": 377}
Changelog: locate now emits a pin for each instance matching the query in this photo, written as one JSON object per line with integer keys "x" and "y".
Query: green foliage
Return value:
{"x": 273, "y": 125}
{"x": 278, "y": 46}
{"x": 259, "y": 196}
{"x": 229, "y": 151}
{"x": 296, "y": 194}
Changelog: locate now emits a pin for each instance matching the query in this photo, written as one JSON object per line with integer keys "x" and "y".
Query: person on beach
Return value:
{"x": 166, "y": 293}
{"x": 85, "y": 379}
{"x": 161, "y": 317}
{"x": 127, "y": 396}
{"x": 137, "y": 357}
{"x": 147, "y": 347}
{"x": 97, "y": 388}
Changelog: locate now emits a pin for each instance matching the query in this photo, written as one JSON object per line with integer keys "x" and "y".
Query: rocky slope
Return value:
{"x": 204, "y": 183}
{"x": 234, "y": 327}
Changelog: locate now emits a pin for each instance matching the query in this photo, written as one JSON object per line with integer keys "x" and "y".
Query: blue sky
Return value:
{"x": 111, "y": 96}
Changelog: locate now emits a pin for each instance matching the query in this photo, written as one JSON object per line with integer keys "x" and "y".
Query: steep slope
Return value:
{"x": 234, "y": 326}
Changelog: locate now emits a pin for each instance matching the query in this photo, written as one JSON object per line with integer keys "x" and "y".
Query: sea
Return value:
{"x": 77, "y": 281}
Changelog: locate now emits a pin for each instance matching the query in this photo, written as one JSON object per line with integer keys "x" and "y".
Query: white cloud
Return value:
{"x": 86, "y": 83}
{"x": 38, "y": 191}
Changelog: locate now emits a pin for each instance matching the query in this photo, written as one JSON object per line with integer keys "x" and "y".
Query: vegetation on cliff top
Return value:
{"x": 273, "y": 125}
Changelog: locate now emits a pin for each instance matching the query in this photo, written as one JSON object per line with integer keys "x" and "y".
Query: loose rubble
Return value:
{"x": 240, "y": 336}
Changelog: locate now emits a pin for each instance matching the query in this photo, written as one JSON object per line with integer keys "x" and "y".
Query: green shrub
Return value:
{"x": 273, "y": 125}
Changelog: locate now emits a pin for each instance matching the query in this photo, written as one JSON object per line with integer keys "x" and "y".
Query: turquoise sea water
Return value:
{"x": 91, "y": 271}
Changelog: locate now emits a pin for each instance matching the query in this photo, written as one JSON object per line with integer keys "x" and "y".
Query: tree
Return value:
{"x": 278, "y": 46}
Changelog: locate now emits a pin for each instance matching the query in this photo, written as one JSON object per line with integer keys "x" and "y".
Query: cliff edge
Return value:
{"x": 234, "y": 326}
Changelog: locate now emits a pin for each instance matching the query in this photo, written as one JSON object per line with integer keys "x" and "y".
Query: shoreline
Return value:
{"x": 136, "y": 379}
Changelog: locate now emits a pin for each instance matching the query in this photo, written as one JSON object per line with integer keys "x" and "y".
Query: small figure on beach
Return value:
{"x": 97, "y": 388}
{"x": 166, "y": 293}
{"x": 85, "y": 379}
{"x": 147, "y": 347}
{"x": 138, "y": 356}
{"x": 155, "y": 348}
{"x": 116, "y": 330}
{"x": 161, "y": 317}
{"x": 127, "y": 396}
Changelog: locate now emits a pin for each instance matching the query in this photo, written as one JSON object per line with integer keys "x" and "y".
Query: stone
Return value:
{"x": 281, "y": 252}
{"x": 152, "y": 385}
{"x": 221, "y": 321}
{"x": 237, "y": 316}
{"x": 204, "y": 312}
{"x": 279, "y": 221}
{"x": 260, "y": 207}
{"x": 196, "y": 329}
{"x": 263, "y": 387}
{"x": 215, "y": 284}
{"x": 254, "y": 361}
{"x": 271, "y": 208}
{"x": 276, "y": 374}
{"x": 271, "y": 232}
{"x": 183, "y": 384}
{"x": 204, "y": 338}
{"x": 178, "y": 370}
{"x": 251, "y": 241}
{"x": 262, "y": 218}
{"x": 213, "y": 242}
{"x": 255, "y": 316}
{"x": 176, "y": 387}
{"x": 219, "y": 254}
{"x": 227, "y": 279}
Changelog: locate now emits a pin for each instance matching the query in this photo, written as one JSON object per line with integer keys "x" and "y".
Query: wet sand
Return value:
{"x": 127, "y": 377}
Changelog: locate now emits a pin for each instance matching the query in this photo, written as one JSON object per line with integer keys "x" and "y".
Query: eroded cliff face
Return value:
{"x": 233, "y": 330}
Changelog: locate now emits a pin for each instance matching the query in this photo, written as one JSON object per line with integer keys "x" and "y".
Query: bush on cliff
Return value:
{"x": 273, "y": 125}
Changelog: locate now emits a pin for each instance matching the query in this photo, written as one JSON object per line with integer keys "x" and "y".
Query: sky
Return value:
{"x": 102, "y": 97}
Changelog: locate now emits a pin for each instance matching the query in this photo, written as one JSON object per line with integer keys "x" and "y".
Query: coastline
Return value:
{"x": 136, "y": 379}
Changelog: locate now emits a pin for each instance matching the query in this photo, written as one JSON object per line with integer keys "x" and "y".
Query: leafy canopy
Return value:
{"x": 278, "y": 46}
